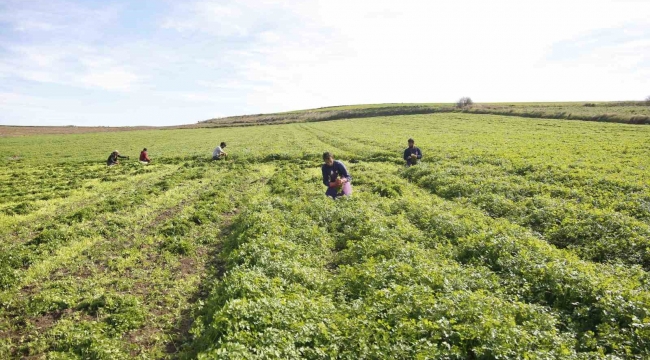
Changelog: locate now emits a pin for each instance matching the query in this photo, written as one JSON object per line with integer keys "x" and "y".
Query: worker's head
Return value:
{"x": 115, "y": 152}
{"x": 411, "y": 142}
{"x": 145, "y": 149}
{"x": 223, "y": 144}
{"x": 328, "y": 157}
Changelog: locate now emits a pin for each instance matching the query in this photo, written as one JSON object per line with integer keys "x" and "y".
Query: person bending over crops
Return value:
{"x": 412, "y": 153}
{"x": 335, "y": 177}
{"x": 144, "y": 157}
{"x": 218, "y": 153}
{"x": 113, "y": 158}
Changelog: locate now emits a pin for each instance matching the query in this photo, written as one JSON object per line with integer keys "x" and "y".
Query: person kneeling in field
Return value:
{"x": 113, "y": 158}
{"x": 335, "y": 177}
{"x": 144, "y": 157}
{"x": 218, "y": 153}
{"x": 412, "y": 153}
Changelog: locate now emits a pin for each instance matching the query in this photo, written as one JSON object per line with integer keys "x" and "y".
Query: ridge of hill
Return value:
{"x": 626, "y": 112}
{"x": 629, "y": 112}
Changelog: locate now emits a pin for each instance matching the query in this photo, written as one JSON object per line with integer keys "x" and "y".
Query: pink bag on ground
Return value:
{"x": 347, "y": 189}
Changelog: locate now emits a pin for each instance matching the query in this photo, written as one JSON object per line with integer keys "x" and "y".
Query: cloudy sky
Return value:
{"x": 163, "y": 62}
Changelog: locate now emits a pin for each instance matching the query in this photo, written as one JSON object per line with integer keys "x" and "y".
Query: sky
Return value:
{"x": 163, "y": 62}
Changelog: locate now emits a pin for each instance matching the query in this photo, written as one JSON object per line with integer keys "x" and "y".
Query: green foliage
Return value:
{"x": 387, "y": 298}
{"x": 22, "y": 208}
{"x": 123, "y": 312}
{"x": 85, "y": 340}
{"x": 579, "y": 218}
{"x": 177, "y": 245}
{"x": 513, "y": 238}
{"x": 175, "y": 227}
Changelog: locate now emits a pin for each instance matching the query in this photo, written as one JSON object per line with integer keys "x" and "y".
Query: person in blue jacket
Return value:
{"x": 412, "y": 154}
{"x": 334, "y": 175}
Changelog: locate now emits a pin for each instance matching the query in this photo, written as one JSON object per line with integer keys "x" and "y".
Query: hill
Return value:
{"x": 629, "y": 112}
{"x": 626, "y": 112}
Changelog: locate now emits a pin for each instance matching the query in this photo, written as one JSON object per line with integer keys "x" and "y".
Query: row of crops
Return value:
{"x": 412, "y": 276}
{"x": 513, "y": 239}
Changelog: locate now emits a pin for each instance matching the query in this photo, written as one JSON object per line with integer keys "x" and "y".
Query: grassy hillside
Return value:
{"x": 514, "y": 238}
{"x": 629, "y": 112}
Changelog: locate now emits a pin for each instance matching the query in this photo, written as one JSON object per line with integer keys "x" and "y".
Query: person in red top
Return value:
{"x": 144, "y": 157}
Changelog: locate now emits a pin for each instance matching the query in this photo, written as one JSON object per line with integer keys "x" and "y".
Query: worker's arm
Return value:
{"x": 326, "y": 180}
{"x": 343, "y": 172}
{"x": 419, "y": 153}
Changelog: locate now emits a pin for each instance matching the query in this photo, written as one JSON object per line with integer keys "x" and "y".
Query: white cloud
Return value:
{"x": 55, "y": 16}
{"x": 220, "y": 18}
{"x": 355, "y": 52}
{"x": 58, "y": 46}
{"x": 232, "y": 85}
{"x": 232, "y": 57}
{"x": 7, "y": 98}
{"x": 76, "y": 65}
{"x": 110, "y": 79}
{"x": 35, "y": 25}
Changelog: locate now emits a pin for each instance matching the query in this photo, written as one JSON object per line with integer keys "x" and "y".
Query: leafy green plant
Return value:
{"x": 513, "y": 238}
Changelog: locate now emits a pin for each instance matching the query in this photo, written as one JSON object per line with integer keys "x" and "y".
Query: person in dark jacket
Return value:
{"x": 412, "y": 154}
{"x": 335, "y": 175}
{"x": 144, "y": 157}
{"x": 113, "y": 158}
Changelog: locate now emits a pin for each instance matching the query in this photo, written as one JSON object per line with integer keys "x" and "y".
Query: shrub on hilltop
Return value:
{"x": 464, "y": 102}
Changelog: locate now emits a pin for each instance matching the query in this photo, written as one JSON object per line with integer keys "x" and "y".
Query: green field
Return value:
{"x": 514, "y": 238}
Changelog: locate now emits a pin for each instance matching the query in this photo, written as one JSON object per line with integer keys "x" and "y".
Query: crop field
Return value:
{"x": 513, "y": 238}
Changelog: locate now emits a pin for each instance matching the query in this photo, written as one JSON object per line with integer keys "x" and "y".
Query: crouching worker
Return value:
{"x": 412, "y": 154}
{"x": 335, "y": 177}
{"x": 218, "y": 153}
{"x": 144, "y": 157}
{"x": 113, "y": 158}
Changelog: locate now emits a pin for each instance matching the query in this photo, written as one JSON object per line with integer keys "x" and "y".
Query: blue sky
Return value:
{"x": 160, "y": 62}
